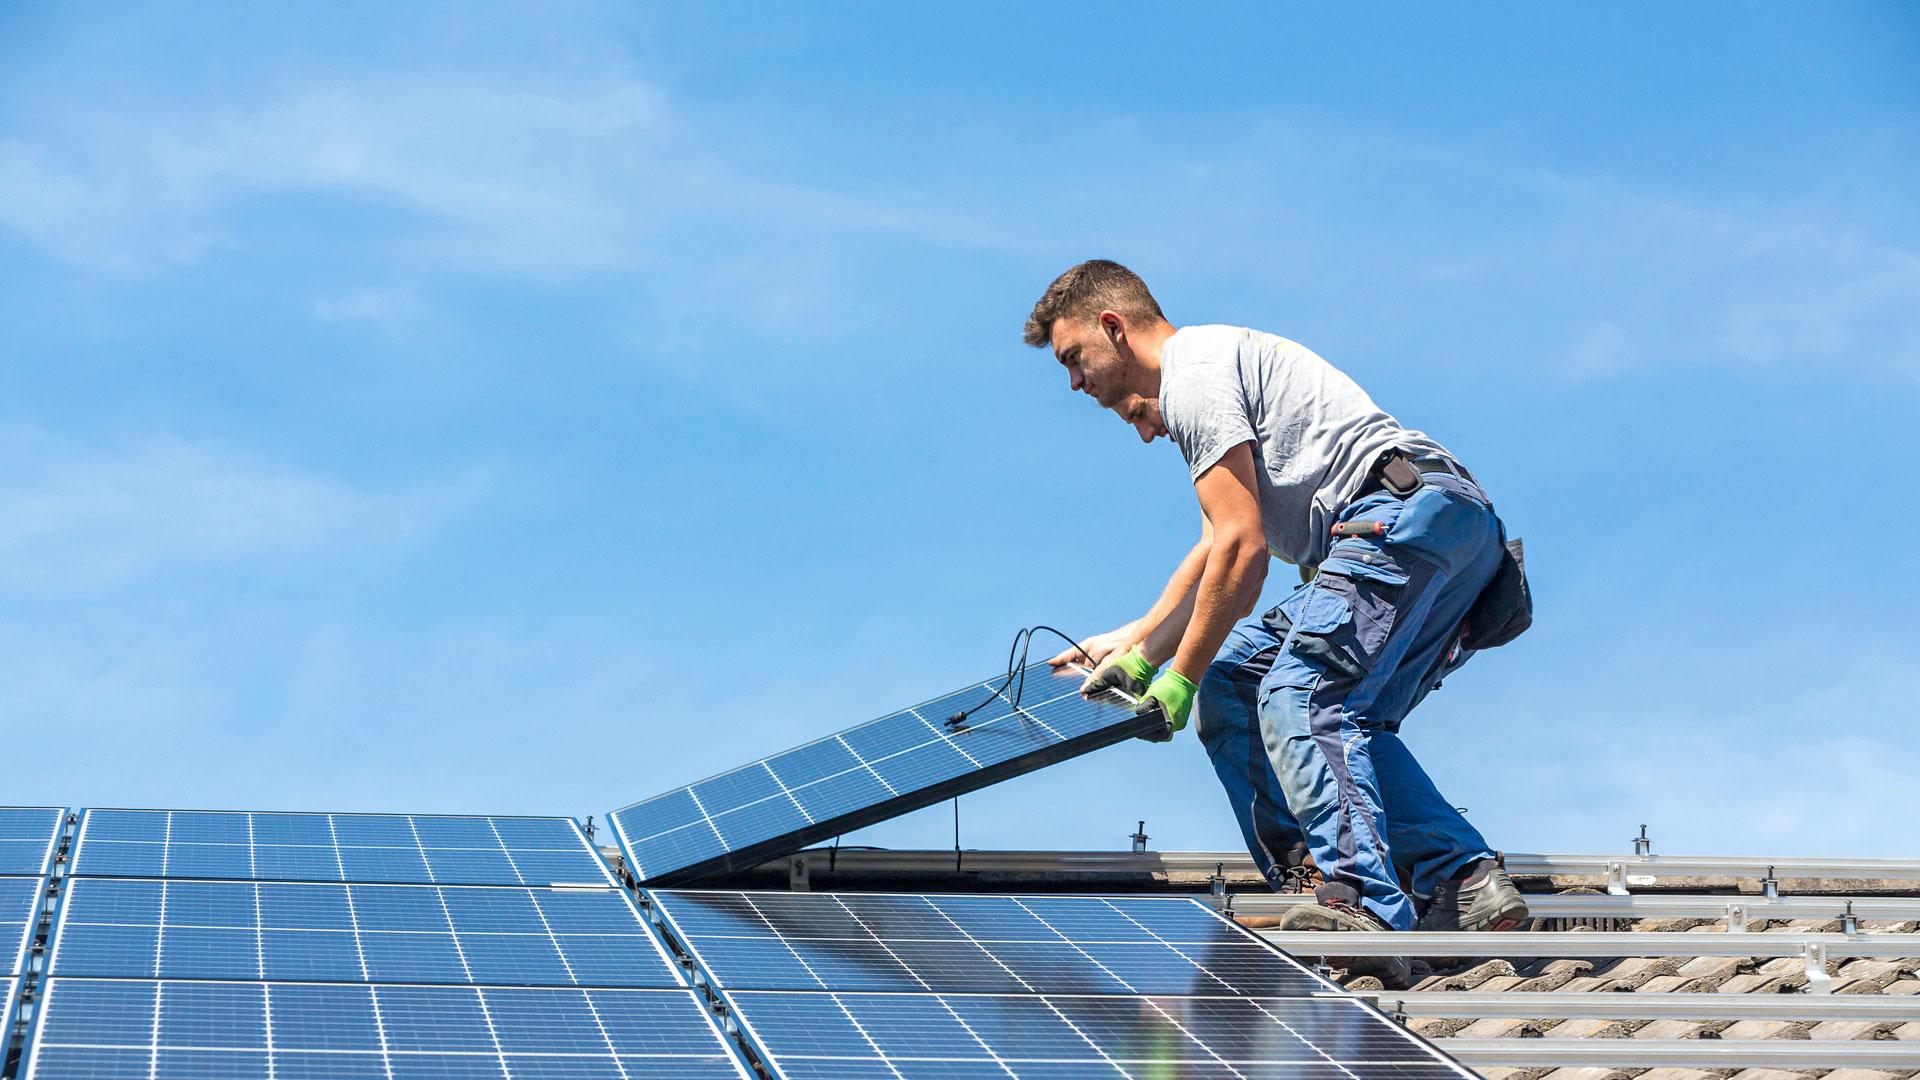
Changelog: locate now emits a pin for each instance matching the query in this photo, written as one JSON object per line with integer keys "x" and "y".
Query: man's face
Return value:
{"x": 1096, "y": 368}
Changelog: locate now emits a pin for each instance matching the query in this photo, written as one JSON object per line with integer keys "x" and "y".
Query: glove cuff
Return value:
{"x": 1136, "y": 664}
{"x": 1185, "y": 684}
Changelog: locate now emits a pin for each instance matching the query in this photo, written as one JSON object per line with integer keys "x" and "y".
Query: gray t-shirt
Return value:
{"x": 1315, "y": 433}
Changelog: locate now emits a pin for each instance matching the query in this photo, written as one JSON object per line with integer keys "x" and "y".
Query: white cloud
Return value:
{"x": 700, "y": 219}
{"x": 76, "y": 519}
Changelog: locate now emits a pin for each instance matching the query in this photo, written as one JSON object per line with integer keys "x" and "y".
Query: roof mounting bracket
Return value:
{"x": 797, "y": 874}
{"x": 1736, "y": 918}
{"x": 1814, "y": 954}
{"x": 1616, "y": 878}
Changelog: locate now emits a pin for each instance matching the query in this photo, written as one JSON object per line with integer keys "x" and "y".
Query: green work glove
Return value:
{"x": 1171, "y": 695}
{"x": 1130, "y": 671}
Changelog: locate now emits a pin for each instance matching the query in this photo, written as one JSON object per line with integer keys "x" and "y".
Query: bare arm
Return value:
{"x": 1233, "y": 566}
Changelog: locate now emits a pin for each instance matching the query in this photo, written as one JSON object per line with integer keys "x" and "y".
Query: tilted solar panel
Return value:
{"x": 99, "y": 1029}
{"x": 397, "y": 848}
{"x": 20, "y": 900}
{"x": 820, "y": 1036}
{"x": 29, "y": 835}
{"x": 881, "y": 769}
{"x": 9, "y": 1002}
{"x": 513, "y": 936}
{"x": 977, "y": 944}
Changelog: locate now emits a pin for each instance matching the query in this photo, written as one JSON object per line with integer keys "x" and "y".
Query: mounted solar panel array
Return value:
{"x": 106, "y": 1029}
{"x": 364, "y": 848}
{"x": 29, "y": 836}
{"x": 29, "y": 841}
{"x": 194, "y": 944}
{"x": 886, "y": 767}
{"x": 899, "y": 986}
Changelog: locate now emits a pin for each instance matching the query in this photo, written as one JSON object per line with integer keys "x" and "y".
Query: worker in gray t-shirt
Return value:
{"x": 1300, "y": 707}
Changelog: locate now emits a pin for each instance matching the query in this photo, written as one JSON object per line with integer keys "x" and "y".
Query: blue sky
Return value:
{"x": 479, "y": 409}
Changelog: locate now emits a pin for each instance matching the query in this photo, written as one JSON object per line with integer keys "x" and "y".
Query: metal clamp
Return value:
{"x": 1736, "y": 918}
{"x": 1616, "y": 878}
{"x": 1814, "y": 955}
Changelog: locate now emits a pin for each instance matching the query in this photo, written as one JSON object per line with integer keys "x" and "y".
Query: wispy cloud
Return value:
{"x": 76, "y": 519}
{"x": 693, "y": 216}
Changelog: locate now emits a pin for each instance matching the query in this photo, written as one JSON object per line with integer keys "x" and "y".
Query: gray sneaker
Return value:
{"x": 1483, "y": 899}
{"x": 1339, "y": 909}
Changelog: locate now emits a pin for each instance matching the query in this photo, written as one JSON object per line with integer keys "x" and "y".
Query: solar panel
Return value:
{"x": 398, "y": 848}
{"x": 883, "y": 768}
{"x": 28, "y": 838}
{"x": 495, "y": 935}
{"x": 9, "y": 999}
{"x": 851, "y": 1036}
{"x": 20, "y": 900}
{"x": 977, "y": 944}
{"x": 102, "y": 1029}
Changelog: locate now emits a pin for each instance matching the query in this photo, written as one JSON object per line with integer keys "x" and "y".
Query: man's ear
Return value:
{"x": 1110, "y": 322}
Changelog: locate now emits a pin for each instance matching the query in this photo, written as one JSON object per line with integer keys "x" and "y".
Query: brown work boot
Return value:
{"x": 1480, "y": 897}
{"x": 1339, "y": 909}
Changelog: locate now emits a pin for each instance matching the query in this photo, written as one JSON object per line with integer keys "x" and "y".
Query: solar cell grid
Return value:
{"x": 901, "y": 1036}
{"x": 396, "y": 848}
{"x": 102, "y": 1029}
{"x": 9, "y": 996}
{"x": 20, "y": 900}
{"x": 29, "y": 836}
{"x": 513, "y": 936}
{"x": 976, "y": 944}
{"x": 888, "y": 766}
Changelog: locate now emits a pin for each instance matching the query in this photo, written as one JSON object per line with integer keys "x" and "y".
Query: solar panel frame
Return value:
{"x": 243, "y": 845}
{"x": 29, "y": 838}
{"x": 974, "y": 943}
{"x": 335, "y": 932}
{"x": 1035, "y": 1036}
{"x": 21, "y": 901}
{"x": 675, "y": 838}
{"x": 344, "y": 1031}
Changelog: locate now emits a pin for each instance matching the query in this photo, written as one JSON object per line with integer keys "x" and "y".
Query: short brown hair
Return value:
{"x": 1086, "y": 290}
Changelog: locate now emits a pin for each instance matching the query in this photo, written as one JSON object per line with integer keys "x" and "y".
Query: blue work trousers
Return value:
{"x": 1301, "y": 710}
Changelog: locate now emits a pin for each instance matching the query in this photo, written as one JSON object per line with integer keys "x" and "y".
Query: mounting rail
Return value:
{"x": 1699, "y": 1053}
{"x": 1236, "y": 863}
{"x": 1732, "y": 866}
{"x": 1648, "y": 1006}
{"x": 1737, "y": 909}
{"x": 1619, "y": 943}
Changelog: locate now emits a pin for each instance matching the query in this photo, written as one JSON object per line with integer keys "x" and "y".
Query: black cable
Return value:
{"x": 1016, "y": 677}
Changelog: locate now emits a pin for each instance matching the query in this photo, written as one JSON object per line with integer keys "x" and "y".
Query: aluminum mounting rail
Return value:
{"x": 1579, "y": 944}
{"x": 1649, "y": 869}
{"x": 1697, "y": 1053}
{"x": 1236, "y": 863}
{"x": 1649, "y": 1006}
{"x": 1814, "y": 950}
{"x": 1736, "y": 909}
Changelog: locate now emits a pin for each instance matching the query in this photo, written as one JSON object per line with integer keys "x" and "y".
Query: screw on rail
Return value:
{"x": 1140, "y": 838}
{"x": 1849, "y": 922}
{"x": 1642, "y": 845}
{"x": 1770, "y": 885}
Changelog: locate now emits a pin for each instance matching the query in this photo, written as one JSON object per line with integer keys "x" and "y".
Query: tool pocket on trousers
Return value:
{"x": 1345, "y": 619}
